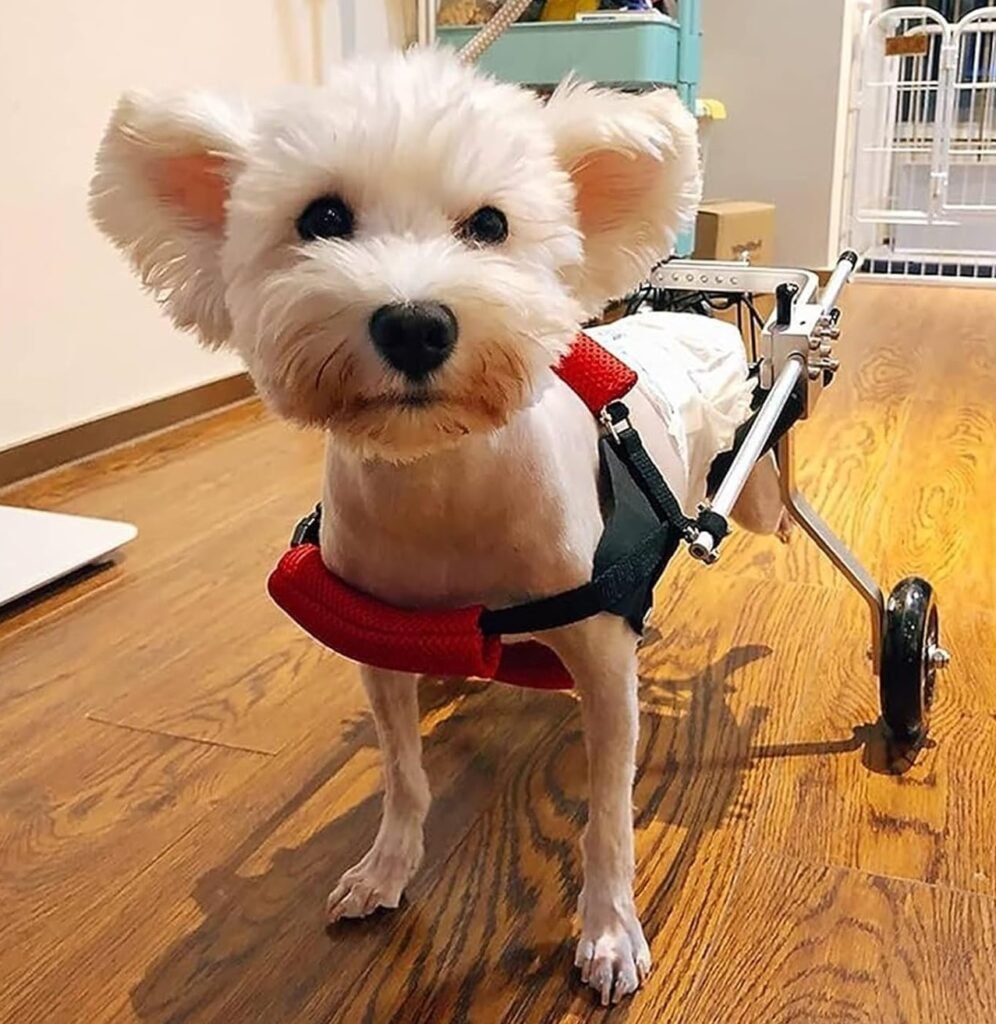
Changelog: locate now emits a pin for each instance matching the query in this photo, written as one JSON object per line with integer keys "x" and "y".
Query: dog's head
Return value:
{"x": 401, "y": 255}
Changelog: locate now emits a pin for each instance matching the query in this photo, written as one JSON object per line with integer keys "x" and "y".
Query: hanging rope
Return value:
{"x": 505, "y": 16}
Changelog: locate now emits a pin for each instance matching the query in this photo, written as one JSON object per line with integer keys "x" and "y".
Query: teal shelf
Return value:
{"x": 634, "y": 55}
{"x": 543, "y": 53}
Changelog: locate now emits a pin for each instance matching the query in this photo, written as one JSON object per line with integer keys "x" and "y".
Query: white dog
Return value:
{"x": 400, "y": 258}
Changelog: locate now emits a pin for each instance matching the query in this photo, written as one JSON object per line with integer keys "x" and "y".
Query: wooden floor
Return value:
{"x": 183, "y": 775}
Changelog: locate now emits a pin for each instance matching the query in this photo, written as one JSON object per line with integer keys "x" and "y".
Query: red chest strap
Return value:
{"x": 434, "y": 642}
{"x": 594, "y": 374}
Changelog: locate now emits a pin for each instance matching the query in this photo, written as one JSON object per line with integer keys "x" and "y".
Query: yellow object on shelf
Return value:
{"x": 710, "y": 110}
{"x": 566, "y": 10}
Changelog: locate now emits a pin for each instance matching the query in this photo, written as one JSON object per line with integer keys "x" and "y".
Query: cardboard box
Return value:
{"x": 726, "y": 229}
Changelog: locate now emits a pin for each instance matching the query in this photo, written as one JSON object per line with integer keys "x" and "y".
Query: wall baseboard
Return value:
{"x": 45, "y": 453}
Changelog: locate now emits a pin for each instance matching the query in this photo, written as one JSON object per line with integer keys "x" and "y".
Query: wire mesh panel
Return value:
{"x": 899, "y": 157}
{"x": 923, "y": 157}
{"x": 971, "y": 117}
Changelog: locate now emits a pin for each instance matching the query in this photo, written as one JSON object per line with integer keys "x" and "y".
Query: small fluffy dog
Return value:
{"x": 400, "y": 257}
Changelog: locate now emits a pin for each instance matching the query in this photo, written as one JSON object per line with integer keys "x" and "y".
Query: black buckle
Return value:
{"x": 308, "y": 529}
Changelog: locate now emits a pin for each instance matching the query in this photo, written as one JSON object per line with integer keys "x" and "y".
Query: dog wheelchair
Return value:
{"x": 796, "y": 362}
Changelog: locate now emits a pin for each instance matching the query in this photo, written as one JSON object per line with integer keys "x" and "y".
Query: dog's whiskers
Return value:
{"x": 325, "y": 364}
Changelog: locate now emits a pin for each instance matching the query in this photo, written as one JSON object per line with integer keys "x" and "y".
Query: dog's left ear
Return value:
{"x": 634, "y": 162}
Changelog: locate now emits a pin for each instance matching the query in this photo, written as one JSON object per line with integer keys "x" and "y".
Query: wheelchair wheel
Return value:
{"x": 911, "y": 657}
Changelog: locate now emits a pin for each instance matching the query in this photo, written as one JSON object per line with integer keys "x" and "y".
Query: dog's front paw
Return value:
{"x": 376, "y": 881}
{"x": 613, "y": 954}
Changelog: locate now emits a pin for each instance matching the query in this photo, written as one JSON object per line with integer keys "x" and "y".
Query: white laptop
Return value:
{"x": 38, "y": 548}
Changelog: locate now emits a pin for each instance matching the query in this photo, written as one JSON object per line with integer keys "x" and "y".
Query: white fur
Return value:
{"x": 488, "y": 493}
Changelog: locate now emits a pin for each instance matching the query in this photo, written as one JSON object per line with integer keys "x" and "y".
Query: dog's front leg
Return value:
{"x": 600, "y": 654}
{"x": 379, "y": 879}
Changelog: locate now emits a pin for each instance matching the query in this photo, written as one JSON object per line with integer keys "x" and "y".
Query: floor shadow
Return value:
{"x": 693, "y": 757}
{"x": 698, "y": 786}
{"x": 879, "y": 754}
{"x": 259, "y": 955}
{"x": 60, "y": 591}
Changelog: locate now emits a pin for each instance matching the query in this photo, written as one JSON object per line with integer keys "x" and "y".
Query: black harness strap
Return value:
{"x": 644, "y": 472}
{"x": 624, "y": 572}
{"x": 608, "y": 589}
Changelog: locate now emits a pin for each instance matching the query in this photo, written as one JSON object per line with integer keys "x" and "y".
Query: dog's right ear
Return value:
{"x": 160, "y": 192}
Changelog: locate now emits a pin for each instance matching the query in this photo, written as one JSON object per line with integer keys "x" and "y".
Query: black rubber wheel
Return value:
{"x": 908, "y": 672}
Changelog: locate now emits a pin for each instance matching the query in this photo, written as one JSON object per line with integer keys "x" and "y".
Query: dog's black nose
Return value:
{"x": 415, "y": 337}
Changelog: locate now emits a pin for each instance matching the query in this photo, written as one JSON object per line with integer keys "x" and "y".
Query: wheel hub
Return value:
{"x": 938, "y": 657}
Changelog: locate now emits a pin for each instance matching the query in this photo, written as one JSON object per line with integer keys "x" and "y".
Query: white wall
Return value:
{"x": 781, "y": 67}
{"x": 78, "y": 338}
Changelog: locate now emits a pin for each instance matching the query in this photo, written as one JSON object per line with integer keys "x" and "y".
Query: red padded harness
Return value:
{"x": 434, "y": 642}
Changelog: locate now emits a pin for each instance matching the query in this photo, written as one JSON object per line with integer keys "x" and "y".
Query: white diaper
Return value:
{"x": 693, "y": 369}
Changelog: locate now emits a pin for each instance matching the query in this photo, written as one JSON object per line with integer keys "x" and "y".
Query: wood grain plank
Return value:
{"x": 942, "y": 486}
{"x": 192, "y": 647}
{"x": 807, "y": 944}
{"x": 953, "y": 328}
{"x": 71, "y": 838}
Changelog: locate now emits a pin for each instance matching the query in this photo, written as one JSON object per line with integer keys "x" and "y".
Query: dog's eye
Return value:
{"x": 325, "y": 217}
{"x": 488, "y": 226}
